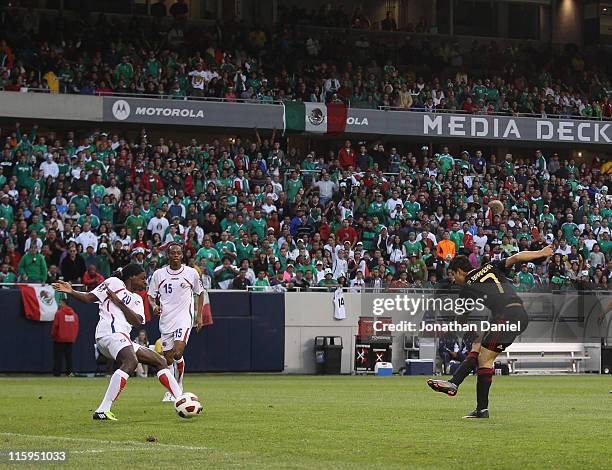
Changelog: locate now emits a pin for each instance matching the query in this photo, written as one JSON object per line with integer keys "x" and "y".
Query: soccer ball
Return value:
{"x": 496, "y": 206}
{"x": 187, "y": 405}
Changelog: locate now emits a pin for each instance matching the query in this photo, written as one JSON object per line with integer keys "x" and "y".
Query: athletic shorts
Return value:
{"x": 514, "y": 316}
{"x": 180, "y": 334}
{"x": 110, "y": 345}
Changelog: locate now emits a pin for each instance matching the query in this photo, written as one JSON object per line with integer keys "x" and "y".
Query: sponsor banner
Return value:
{"x": 192, "y": 113}
{"x": 361, "y": 121}
{"x": 479, "y": 127}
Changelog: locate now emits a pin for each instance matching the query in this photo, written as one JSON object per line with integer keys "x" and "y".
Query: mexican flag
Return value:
{"x": 315, "y": 117}
{"x": 207, "y": 319}
{"x": 39, "y": 302}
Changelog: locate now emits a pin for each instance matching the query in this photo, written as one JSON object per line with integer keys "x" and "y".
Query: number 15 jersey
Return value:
{"x": 174, "y": 291}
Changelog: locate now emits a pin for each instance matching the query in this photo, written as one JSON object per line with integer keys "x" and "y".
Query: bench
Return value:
{"x": 572, "y": 354}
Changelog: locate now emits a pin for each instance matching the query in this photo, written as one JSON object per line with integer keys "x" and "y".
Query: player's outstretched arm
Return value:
{"x": 527, "y": 256}
{"x": 66, "y": 288}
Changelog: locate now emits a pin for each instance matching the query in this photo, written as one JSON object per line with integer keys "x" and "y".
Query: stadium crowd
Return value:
{"x": 252, "y": 212}
{"x": 232, "y": 61}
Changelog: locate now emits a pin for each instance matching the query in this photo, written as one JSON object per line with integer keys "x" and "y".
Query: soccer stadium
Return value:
{"x": 283, "y": 234}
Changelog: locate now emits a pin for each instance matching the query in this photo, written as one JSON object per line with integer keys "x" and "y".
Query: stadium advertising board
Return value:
{"x": 362, "y": 121}
{"x": 479, "y": 127}
{"x": 191, "y": 113}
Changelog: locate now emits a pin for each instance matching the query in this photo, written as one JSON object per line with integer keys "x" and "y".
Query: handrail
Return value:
{"x": 214, "y": 99}
{"x": 493, "y": 113}
{"x": 114, "y": 94}
{"x": 401, "y": 34}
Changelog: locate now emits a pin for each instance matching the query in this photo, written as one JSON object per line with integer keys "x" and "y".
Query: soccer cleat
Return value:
{"x": 443, "y": 386}
{"x": 478, "y": 414}
{"x": 104, "y": 415}
{"x": 168, "y": 397}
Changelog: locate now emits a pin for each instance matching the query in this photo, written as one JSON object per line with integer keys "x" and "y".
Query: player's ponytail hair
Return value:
{"x": 128, "y": 271}
{"x": 460, "y": 262}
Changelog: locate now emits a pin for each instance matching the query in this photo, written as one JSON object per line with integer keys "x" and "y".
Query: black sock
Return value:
{"x": 465, "y": 368}
{"x": 485, "y": 378}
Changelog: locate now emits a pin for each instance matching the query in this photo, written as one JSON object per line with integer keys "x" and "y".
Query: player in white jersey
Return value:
{"x": 171, "y": 293}
{"x": 121, "y": 308}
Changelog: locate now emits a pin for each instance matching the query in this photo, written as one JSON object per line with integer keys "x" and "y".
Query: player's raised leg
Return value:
{"x": 146, "y": 356}
{"x": 451, "y": 387}
{"x": 127, "y": 358}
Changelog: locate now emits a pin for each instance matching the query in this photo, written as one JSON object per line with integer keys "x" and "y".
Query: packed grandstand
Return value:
{"x": 292, "y": 60}
{"x": 251, "y": 212}
{"x": 255, "y": 211}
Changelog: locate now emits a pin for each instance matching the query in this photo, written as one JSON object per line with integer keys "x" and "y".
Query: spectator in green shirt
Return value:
{"x": 6, "y": 275}
{"x": 33, "y": 267}
{"x": 526, "y": 279}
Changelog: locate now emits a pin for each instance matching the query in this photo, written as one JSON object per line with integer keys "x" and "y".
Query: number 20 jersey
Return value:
{"x": 490, "y": 282}
{"x": 112, "y": 320}
{"x": 174, "y": 291}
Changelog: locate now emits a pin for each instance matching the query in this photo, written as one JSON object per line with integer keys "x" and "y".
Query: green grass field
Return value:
{"x": 267, "y": 421}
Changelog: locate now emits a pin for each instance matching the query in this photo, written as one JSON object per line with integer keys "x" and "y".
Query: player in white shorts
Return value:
{"x": 171, "y": 293}
{"x": 121, "y": 308}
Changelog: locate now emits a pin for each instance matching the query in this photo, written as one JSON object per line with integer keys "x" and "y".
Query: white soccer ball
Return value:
{"x": 187, "y": 405}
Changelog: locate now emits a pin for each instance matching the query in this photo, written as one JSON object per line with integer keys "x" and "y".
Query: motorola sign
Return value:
{"x": 121, "y": 110}
{"x": 191, "y": 113}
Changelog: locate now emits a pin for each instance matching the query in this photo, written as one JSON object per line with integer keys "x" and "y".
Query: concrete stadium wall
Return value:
{"x": 312, "y": 314}
{"x": 47, "y": 106}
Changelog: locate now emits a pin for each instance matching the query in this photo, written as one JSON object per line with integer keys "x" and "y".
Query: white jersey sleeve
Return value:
{"x": 154, "y": 284}
{"x": 113, "y": 283}
{"x": 198, "y": 287}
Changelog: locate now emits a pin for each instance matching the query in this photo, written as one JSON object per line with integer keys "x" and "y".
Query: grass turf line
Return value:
{"x": 265, "y": 421}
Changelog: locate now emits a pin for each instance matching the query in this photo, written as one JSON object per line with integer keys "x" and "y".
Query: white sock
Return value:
{"x": 117, "y": 382}
{"x": 168, "y": 381}
{"x": 180, "y": 371}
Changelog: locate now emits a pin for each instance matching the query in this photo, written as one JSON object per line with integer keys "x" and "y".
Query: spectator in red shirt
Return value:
{"x": 92, "y": 278}
{"x": 346, "y": 233}
{"x": 346, "y": 155}
{"x": 468, "y": 106}
{"x": 64, "y": 332}
{"x": 151, "y": 182}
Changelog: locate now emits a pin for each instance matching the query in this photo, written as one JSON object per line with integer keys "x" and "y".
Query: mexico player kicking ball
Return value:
{"x": 489, "y": 283}
{"x": 121, "y": 308}
{"x": 171, "y": 292}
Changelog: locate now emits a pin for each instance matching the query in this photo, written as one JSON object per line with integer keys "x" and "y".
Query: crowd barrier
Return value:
{"x": 248, "y": 335}
{"x": 274, "y": 332}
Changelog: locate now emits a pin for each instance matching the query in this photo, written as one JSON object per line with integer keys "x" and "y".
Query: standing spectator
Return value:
{"x": 179, "y": 9}
{"x": 64, "y": 332}
{"x": 159, "y": 9}
{"x": 33, "y": 267}
{"x": 346, "y": 156}
{"x": 389, "y": 24}
{"x": 73, "y": 266}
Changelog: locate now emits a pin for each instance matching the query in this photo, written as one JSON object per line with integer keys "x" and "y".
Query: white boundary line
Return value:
{"x": 102, "y": 441}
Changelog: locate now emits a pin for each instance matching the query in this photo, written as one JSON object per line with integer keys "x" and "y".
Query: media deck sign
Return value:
{"x": 517, "y": 128}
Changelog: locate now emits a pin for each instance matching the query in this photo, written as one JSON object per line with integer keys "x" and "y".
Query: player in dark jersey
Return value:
{"x": 489, "y": 283}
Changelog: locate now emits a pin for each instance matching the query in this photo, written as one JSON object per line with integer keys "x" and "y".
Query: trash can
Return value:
{"x": 328, "y": 354}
